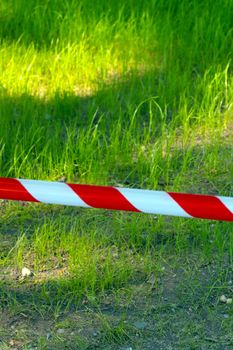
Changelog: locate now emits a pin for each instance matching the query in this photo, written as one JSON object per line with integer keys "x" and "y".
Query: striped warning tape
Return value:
{"x": 107, "y": 197}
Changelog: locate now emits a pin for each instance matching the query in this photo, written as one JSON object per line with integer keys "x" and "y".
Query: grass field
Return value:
{"x": 134, "y": 94}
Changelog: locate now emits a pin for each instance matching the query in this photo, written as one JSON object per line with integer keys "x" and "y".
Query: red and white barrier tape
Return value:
{"x": 107, "y": 197}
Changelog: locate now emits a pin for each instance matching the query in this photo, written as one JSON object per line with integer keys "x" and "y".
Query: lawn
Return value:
{"x": 135, "y": 94}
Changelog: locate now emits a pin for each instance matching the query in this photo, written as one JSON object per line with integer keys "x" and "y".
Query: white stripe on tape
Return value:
{"x": 53, "y": 192}
{"x": 227, "y": 201}
{"x": 153, "y": 201}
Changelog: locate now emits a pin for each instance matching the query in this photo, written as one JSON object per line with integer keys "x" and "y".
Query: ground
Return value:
{"x": 178, "y": 308}
{"x": 168, "y": 300}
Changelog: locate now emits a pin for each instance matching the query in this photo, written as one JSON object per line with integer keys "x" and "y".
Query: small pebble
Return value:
{"x": 139, "y": 325}
{"x": 62, "y": 179}
{"x": 48, "y": 336}
{"x": 94, "y": 334}
{"x": 229, "y": 301}
{"x": 223, "y": 299}
{"x": 60, "y": 331}
{"x": 26, "y": 272}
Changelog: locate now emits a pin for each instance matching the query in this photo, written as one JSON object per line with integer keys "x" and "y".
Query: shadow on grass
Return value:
{"x": 119, "y": 98}
{"x": 41, "y": 24}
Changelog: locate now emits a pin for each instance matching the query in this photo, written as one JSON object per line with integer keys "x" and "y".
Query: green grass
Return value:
{"x": 135, "y": 94}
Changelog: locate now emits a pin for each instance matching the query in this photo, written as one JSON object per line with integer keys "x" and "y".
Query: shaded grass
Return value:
{"x": 70, "y": 262}
{"x": 181, "y": 308}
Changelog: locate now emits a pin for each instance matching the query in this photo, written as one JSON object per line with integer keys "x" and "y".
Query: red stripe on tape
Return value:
{"x": 203, "y": 206}
{"x": 14, "y": 190}
{"x": 103, "y": 197}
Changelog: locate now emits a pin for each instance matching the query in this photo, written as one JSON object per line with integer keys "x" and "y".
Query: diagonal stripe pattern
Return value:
{"x": 200, "y": 206}
{"x": 113, "y": 198}
{"x": 13, "y": 189}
